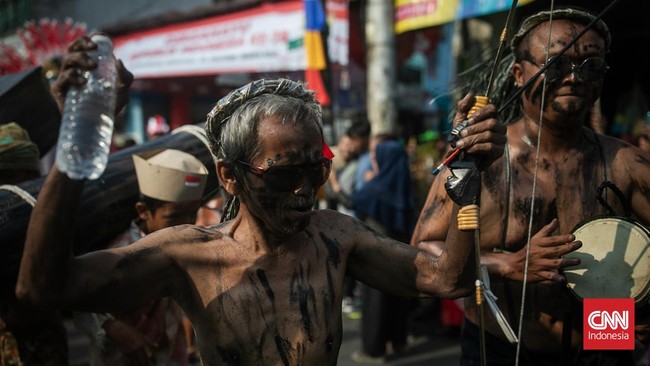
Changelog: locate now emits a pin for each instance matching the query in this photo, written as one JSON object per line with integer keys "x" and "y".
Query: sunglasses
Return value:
{"x": 287, "y": 178}
{"x": 591, "y": 69}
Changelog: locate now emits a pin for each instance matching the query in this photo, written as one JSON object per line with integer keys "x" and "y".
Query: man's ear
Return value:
{"x": 142, "y": 210}
{"x": 227, "y": 177}
{"x": 518, "y": 73}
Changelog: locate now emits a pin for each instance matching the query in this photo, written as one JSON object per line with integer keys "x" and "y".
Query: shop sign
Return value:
{"x": 417, "y": 14}
{"x": 267, "y": 38}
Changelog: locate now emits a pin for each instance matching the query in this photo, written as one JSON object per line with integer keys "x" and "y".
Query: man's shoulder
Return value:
{"x": 188, "y": 234}
{"x": 324, "y": 218}
{"x": 621, "y": 149}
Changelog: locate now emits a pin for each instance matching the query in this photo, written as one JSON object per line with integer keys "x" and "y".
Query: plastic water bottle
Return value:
{"x": 87, "y": 122}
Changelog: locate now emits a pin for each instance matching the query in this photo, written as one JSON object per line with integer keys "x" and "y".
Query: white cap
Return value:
{"x": 170, "y": 175}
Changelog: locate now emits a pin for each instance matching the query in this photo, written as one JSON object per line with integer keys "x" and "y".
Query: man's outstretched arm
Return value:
{"x": 105, "y": 280}
{"x": 48, "y": 245}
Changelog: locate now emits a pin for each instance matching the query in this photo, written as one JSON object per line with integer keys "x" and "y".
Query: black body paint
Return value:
{"x": 261, "y": 275}
{"x": 134, "y": 259}
{"x": 302, "y": 293}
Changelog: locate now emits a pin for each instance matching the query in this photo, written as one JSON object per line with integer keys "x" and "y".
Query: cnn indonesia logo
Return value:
{"x": 608, "y": 324}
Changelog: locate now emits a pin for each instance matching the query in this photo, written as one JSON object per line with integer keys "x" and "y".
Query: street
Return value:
{"x": 439, "y": 351}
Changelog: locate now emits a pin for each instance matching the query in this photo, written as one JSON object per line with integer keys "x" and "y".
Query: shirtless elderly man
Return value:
{"x": 573, "y": 162}
{"x": 265, "y": 286}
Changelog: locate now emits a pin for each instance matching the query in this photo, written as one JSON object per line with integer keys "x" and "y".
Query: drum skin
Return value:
{"x": 615, "y": 260}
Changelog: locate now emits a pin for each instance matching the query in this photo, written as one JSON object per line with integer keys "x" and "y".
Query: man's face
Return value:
{"x": 351, "y": 148}
{"x": 570, "y": 92}
{"x": 170, "y": 214}
{"x": 358, "y": 146}
{"x": 284, "y": 144}
{"x": 345, "y": 148}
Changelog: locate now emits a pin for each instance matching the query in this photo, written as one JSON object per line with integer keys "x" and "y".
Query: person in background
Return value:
{"x": 644, "y": 138}
{"x": 210, "y": 213}
{"x": 171, "y": 184}
{"x": 352, "y": 145}
{"x": 642, "y": 133}
{"x": 19, "y": 156}
{"x": 157, "y": 127}
{"x": 341, "y": 185}
{"x": 40, "y": 335}
{"x": 573, "y": 162}
{"x": 41, "y": 338}
{"x": 386, "y": 203}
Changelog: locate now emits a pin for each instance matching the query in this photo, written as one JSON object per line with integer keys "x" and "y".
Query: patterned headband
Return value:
{"x": 227, "y": 105}
{"x": 576, "y": 15}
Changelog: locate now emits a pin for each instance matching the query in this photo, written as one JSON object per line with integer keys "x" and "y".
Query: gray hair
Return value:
{"x": 233, "y": 123}
{"x": 572, "y": 14}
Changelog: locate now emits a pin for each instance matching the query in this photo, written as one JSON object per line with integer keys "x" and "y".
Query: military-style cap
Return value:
{"x": 17, "y": 151}
{"x": 170, "y": 175}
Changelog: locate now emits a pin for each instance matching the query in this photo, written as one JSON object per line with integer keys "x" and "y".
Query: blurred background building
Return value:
{"x": 187, "y": 54}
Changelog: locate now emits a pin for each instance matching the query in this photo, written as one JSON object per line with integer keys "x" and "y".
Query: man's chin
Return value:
{"x": 570, "y": 105}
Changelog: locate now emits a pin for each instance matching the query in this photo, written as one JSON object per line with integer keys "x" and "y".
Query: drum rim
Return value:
{"x": 644, "y": 296}
{"x": 600, "y": 217}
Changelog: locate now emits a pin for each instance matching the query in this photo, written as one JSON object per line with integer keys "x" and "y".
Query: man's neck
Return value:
{"x": 555, "y": 137}
{"x": 249, "y": 230}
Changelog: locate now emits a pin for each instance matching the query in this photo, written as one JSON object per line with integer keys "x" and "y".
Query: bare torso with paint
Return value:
{"x": 252, "y": 307}
{"x": 566, "y": 189}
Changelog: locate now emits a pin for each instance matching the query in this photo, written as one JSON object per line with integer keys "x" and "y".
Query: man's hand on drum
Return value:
{"x": 75, "y": 62}
{"x": 546, "y": 257}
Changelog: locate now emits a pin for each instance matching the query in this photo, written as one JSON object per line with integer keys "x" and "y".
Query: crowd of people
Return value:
{"x": 261, "y": 275}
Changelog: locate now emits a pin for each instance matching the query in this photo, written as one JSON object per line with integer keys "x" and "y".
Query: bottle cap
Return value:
{"x": 102, "y": 40}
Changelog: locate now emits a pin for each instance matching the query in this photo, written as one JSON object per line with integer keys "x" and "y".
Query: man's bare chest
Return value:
{"x": 283, "y": 310}
{"x": 528, "y": 200}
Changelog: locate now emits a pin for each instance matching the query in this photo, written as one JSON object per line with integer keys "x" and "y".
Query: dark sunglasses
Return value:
{"x": 591, "y": 69}
{"x": 287, "y": 178}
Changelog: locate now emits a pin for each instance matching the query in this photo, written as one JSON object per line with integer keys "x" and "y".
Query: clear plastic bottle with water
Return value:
{"x": 88, "y": 113}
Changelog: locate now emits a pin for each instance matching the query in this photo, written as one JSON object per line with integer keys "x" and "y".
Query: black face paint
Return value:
{"x": 535, "y": 95}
